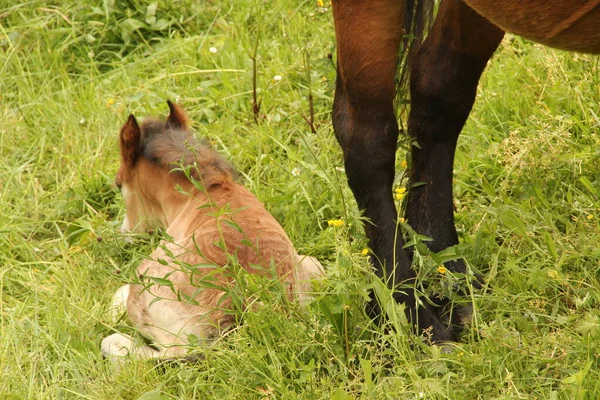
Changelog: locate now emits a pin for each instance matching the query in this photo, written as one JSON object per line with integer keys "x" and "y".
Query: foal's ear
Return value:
{"x": 177, "y": 117}
{"x": 130, "y": 141}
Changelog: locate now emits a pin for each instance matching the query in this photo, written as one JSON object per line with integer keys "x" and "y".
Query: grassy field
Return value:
{"x": 527, "y": 186}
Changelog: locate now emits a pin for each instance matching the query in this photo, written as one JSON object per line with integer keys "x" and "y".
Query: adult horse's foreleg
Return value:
{"x": 368, "y": 37}
{"x": 444, "y": 78}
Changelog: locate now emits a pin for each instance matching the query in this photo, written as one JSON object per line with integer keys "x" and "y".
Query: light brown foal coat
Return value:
{"x": 212, "y": 229}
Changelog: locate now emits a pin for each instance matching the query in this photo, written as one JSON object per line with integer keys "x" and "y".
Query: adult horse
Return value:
{"x": 445, "y": 70}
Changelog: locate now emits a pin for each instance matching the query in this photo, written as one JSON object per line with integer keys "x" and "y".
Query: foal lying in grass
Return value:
{"x": 169, "y": 179}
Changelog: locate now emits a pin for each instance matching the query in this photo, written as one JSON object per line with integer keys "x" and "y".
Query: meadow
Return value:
{"x": 527, "y": 196}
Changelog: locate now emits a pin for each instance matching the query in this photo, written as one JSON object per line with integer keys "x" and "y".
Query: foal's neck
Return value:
{"x": 181, "y": 206}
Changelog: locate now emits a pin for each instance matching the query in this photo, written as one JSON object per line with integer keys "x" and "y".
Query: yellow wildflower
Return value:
{"x": 110, "y": 102}
{"x": 402, "y": 220}
{"x": 320, "y": 3}
{"x": 590, "y": 217}
{"x": 365, "y": 252}
{"x": 336, "y": 223}
{"x": 400, "y": 193}
{"x": 441, "y": 269}
{"x": 404, "y": 164}
{"x": 552, "y": 273}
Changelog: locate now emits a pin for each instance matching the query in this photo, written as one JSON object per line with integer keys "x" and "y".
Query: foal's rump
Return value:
{"x": 564, "y": 24}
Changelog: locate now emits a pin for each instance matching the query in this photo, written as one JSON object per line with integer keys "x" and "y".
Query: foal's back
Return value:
{"x": 230, "y": 223}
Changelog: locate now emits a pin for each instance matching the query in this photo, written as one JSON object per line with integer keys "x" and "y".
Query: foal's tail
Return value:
{"x": 418, "y": 17}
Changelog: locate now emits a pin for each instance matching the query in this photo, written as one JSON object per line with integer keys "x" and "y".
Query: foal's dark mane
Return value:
{"x": 175, "y": 147}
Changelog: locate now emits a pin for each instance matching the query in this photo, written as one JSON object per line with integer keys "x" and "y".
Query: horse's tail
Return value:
{"x": 418, "y": 17}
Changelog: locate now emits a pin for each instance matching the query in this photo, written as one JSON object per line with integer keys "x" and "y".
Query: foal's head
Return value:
{"x": 151, "y": 156}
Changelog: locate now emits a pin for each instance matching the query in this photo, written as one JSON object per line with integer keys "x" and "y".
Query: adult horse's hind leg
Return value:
{"x": 368, "y": 36}
{"x": 444, "y": 78}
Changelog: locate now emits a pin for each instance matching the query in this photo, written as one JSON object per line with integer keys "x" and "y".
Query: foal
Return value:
{"x": 214, "y": 222}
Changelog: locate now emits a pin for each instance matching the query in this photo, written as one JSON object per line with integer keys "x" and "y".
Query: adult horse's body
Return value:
{"x": 445, "y": 71}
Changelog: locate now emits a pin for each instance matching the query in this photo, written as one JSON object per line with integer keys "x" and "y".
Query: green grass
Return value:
{"x": 527, "y": 187}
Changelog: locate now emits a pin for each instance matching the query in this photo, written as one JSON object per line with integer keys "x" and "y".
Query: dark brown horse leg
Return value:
{"x": 368, "y": 38}
{"x": 444, "y": 78}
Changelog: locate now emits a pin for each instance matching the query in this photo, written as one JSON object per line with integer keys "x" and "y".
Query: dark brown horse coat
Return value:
{"x": 445, "y": 70}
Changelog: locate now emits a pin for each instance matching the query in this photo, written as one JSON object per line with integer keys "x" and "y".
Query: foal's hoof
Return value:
{"x": 116, "y": 346}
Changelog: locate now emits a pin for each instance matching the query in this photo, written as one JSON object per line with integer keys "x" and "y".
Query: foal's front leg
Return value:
{"x": 368, "y": 37}
{"x": 118, "y": 345}
{"x": 134, "y": 301}
{"x": 444, "y": 78}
